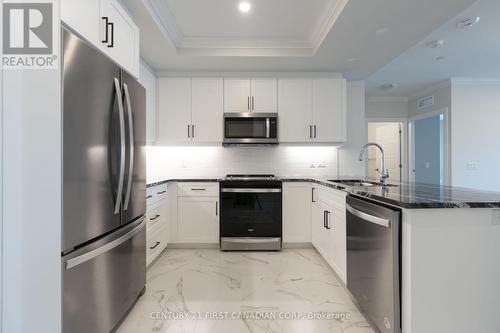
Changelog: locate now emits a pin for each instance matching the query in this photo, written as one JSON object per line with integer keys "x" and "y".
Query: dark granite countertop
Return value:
{"x": 187, "y": 180}
{"x": 403, "y": 195}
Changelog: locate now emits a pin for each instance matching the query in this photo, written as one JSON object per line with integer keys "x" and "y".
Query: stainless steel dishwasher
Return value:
{"x": 373, "y": 262}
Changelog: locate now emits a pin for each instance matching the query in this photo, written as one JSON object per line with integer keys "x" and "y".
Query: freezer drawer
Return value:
{"x": 102, "y": 280}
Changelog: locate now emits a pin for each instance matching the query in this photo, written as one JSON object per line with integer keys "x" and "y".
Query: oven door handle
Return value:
{"x": 251, "y": 190}
{"x": 369, "y": 218}
{"x": 268, "y": 127}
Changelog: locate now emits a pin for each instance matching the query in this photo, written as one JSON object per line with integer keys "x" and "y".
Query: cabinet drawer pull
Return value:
{"x": 253, "y": 103}
{"x": 154, "y": 218}
{"x": 198, "y": 189}
{"x": 315, "y": 131}
{"x": 312, "y": 194}
{"x": 149, "y": 196}
{"x": 327, "y": 220}
{"x": 216, "y": 208}
{"x": 154, "y": 246}
{"x": 161, "y": 192}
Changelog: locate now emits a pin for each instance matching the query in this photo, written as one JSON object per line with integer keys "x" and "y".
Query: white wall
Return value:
{"x": 357, "y": 135}
{"x": 442, "y": 99}
{"x": 475, "y": 134}
{"x": 216, "y": 162}
{"x": 386, "y": 107}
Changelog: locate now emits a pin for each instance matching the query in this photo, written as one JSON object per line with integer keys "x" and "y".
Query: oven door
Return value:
{"x": 250, "y": 212}
{"x": 242, "y": 128}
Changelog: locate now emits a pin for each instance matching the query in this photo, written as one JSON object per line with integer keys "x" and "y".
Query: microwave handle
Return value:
{"x": 268, "y": 128}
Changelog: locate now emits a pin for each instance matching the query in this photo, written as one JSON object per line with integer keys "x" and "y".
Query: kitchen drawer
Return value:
{"x": 332, "y": 197}
{"x": 156, "y": 214}
{"x": 198, "y": 189}
{"x": 156, "y": 193}
{"x": 155, "y": 243}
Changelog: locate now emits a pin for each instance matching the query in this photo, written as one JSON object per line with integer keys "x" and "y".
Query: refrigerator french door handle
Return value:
{"x": 70, "y": 263}
{"x": 131, "y": 147}
{"x": 121, "y": 174}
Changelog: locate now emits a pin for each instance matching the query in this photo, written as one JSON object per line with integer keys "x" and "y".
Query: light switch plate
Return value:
{"x": 496, "y": 217}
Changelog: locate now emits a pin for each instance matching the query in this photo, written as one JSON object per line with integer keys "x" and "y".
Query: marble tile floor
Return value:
{"x": 209, "y": 291}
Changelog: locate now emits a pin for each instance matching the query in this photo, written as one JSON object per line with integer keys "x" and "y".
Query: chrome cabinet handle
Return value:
{"x": 131, "y": 147}
{"x": 369, "y": 218}
{"x": 70, "y": 263}
{"x": 155, "y": 246}
{"x": 154, "y": 218}
{"x": 121, "y": 175}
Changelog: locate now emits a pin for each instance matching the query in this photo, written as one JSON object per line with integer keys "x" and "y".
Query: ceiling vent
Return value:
{"x": 468, "y": 22}
{"x": 388, "y": 86}
{"x": 425, "y": 102}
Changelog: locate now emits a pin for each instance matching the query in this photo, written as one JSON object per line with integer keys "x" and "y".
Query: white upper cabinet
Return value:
{"x": 264, "y": 95}
{"x": 148, "y": 80}
{"x": 245, "y": 95}
{"x": 295, "y": 110}
{"x": 119, "y": 36}
{"x": 207, "y": 112}
{"x": 106, "y": 25}
{"x": 329, "y": 110}
{"x": 190, "y": 110}
{"x": 83, "y": 17}
{"x": 236, "y": 95}
{"x": 312, "y": 110}
{"x": 174, "y": 110}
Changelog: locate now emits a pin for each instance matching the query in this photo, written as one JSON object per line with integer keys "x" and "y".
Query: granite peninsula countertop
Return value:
{"x": 403, "y": 195}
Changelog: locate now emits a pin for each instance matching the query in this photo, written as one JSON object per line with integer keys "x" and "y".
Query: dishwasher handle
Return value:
{"x": 369, "y": 218}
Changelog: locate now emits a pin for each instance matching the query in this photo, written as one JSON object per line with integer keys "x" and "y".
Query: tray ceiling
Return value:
{"x": 271, "y": 28}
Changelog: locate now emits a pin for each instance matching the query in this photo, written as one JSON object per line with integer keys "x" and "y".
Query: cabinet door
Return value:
{"x": 148, "y": 80}
{"x": 297, "y": 212}
{"x": 83, "y": 17}
{"x": 198, "y": 219}
{"x": 123, "y": 36}
{"x": 317, "y": 227}
{"x": 174, "y": 110}
{"x": 329, "y": 110}
{"x": 264, "y": 97}
{"x": 295, "y": 110}
{"x": 236, "y": 95}
{"x": 207, "y": 110}
{"x": 338, "y": 241}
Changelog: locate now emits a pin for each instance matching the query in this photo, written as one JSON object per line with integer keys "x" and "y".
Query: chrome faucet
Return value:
{"x": 384, "y": 173}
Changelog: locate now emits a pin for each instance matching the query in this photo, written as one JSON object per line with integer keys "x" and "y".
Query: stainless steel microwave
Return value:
{"x": 250, "y": 128}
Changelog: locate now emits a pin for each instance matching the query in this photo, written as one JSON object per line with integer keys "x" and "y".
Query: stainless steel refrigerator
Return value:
{"x": 104, "y": 185}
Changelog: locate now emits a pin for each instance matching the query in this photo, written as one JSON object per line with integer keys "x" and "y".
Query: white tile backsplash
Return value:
{"x": 216, "y": 162}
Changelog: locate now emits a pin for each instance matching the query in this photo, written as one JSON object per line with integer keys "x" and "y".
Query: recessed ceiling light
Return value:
{"x": 468, "y": 22}
{"x": 434, "y": 44}
{"x": 244, "y": 7}
{"x": 438, "y": 58}
{"x": 381, "y": 31}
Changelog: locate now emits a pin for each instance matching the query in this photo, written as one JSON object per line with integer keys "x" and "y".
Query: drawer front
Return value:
{"x": 198, "y": 189}
{"x": 156, "y": 193}
{"x": 155, "y": 214}
{"x": 155, "y": 243}
{"x": 331, "y": 197}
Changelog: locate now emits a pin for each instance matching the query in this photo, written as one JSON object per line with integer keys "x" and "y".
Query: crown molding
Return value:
{"x": 219, "y": 46}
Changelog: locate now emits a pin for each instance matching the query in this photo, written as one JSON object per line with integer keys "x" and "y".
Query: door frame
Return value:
{"x": 447, "y": 142}
{"x": 404, "y": 146}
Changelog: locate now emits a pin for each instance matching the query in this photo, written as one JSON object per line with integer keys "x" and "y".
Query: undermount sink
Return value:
{"x": 358, "y": 183}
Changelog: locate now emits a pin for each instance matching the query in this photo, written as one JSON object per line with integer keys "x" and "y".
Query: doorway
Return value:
{"x": 389, "y": 135}
{"x": 429, "y": 148}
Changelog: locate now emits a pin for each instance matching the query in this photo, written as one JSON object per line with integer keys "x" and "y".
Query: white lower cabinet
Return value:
{"x": 328, "y": 225}
{"x": 198, "y": 213}
{"x": 296, "y": 212}
{"x": 157, "y": 221}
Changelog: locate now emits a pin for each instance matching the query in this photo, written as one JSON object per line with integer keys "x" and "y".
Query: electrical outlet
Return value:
{"x": 496, "y": 217}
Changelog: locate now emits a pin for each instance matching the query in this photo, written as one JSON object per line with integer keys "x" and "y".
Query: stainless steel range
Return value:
{"x": 250, "y": 215}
